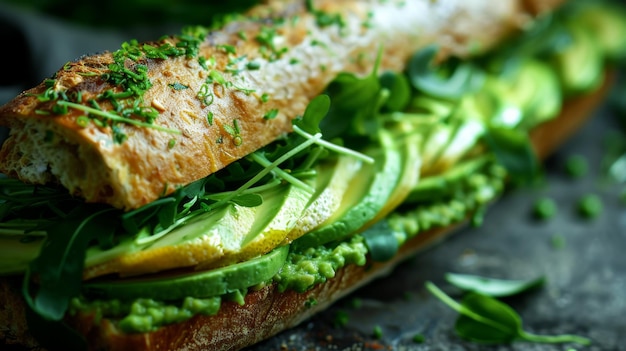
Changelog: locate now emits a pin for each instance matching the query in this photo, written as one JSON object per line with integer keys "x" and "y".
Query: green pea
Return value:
{"x": 377, "y": 332}
{"x": 418, "y": 338}
{"x": 545, "y": 208}
{"x": 590, "y": 206}
{"x": 341, "y": 319}
{"x": 576, "y": 166}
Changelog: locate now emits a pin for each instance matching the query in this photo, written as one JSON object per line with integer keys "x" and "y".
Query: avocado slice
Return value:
{"x": 536, "y": 89}
{"x": 332, "y": 183}
{"x": 369, "y": 191}
{"x": 579, "y": 65}
{"x": 441, "y": 186}
{"x": 270, "y": 227}
{"x": 210, "y": 238}
{"x": 197, "y": 284}
{"x": 409, "y": 140}
{"x": 608, "y": 25}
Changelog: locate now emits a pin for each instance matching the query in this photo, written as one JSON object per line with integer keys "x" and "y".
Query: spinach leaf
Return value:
{"x": 433, "y": 80}
{"x": 513, "y": 150}
{"x": 355, "y": 101}
{"x": 493, "y": 287}
{"x": 314, "y": 113}
{"x": 399, "y": 90}
{"x": 484, "y": 319}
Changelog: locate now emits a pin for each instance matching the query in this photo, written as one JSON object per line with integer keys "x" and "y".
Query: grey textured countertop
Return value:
{"x": 585, "y": 292}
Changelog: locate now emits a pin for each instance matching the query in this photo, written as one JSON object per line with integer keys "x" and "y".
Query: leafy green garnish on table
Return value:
{"x": 491, "y": 286}
{"x": 484, "y": 319}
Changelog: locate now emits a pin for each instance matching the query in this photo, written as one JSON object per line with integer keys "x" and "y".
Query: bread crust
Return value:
{"x": 152, "y": 163}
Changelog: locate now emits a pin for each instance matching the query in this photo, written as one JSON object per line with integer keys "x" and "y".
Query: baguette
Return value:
{"x": 267, "y": 309}
{"x": 85, "y": 161}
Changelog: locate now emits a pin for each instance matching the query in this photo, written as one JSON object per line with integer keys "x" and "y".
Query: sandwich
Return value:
{"x": 210, "y": 189}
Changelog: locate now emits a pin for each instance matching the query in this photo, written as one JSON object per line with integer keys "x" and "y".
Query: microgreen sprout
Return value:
{"x": 334, "y": 147}
{"x": 116, "y": 118}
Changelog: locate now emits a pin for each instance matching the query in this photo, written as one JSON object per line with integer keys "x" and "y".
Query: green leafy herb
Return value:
{"x": 229, "y": 49}
{"x": 484, "y": 319}
{"x": 493, "y": 287}
{"x": 271, "y": 114}
{"x": 399, "y": 91}
{"x": 248, "y": 200}
{"x": 205, "y": 94}
{"x": 162, "y": 51}
{"x": 514, "y": 151}
{"x": 322, "y": 18}
{"x": 424, "y": 77}
{"x": 59, "y": 266}
{"x": 109, "y": 115}
{"x": 190, "y": 40}
{"x": 178, "y": 86}
{"x": 314, "y": 113}
{"x": 266, "y": 38}
{"x": 202, "y": 61}
{"x": 253, "y": 65}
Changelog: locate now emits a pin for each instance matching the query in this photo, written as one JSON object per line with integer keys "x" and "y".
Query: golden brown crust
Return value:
{"x": 133, "y": 173}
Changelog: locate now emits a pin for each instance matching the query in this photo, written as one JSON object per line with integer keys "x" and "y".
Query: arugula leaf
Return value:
{"x": 484, "y": 319}
{"x": 513, "y": 150}
{"x": 493, "y": 287}
{"x": 59, "y": 266}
